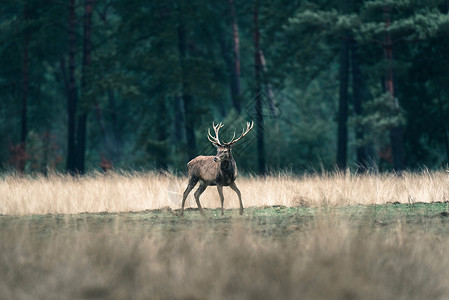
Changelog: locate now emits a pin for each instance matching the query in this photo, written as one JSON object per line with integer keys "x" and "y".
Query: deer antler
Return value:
{"x": 214, "y": 139}
{"x": 249, "y": 126}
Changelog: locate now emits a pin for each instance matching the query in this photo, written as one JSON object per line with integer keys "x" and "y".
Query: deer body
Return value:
{"x": 211, "y": 172}
{"x": 219, "y": 170}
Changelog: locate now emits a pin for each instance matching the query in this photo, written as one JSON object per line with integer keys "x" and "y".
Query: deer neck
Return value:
{"x": 226, "y": 164}
{"x": 227, "y": 172}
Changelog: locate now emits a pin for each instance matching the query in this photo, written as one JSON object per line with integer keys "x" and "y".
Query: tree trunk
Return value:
{"x": 235, "y": 73}
{"x": 25, "y": 91}
{"x": 71, "y": 92}
{"x": 271, "y": 102}
{"x": 232, "y": 61}
{"x": 179, "y": 121}
{"x": 444, "y": 125}
{"x": 112, "y": 135}
{"x": 82, "y": 119}
{"x": 342, "y": 141}
{"x": 396, "y": 133}
{"x": 189, "y": 125}
{"x": 81, "y": 142}
{"x": 162, "y": 134}
{"x": 258, "y": 91}
{"x": 362, "y": 161}
{"x": 185, "y": 90}
{"x": 230, "y": 68}
{"x": 274, "y": 112}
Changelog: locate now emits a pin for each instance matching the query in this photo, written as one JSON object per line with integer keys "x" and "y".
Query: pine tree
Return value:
{"x": 389, "y": 24}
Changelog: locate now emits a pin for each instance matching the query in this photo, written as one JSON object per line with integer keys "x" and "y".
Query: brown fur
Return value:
{"x": 219, "y": 170}
{"x": 209, "y": 173}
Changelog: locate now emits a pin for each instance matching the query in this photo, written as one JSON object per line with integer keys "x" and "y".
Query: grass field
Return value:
{"x": 317, "y": 237}
{"x": 61, "y": 194}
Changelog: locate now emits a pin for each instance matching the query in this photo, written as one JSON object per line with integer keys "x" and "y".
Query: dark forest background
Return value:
{"x": 90, "y": 84}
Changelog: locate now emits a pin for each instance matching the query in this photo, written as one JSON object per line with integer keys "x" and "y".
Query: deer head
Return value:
{"x": 224, "y": 148}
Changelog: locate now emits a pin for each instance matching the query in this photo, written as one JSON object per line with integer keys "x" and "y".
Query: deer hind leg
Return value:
{"x": 220, "y": 192}
{"x": 234, "y": 187}
{"x": 192, "y": 182}
{"x": 197, "y": 195}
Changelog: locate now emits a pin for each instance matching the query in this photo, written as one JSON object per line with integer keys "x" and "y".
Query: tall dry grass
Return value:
{"x": 115, "y": 192}
{"x": 331, "y": 259}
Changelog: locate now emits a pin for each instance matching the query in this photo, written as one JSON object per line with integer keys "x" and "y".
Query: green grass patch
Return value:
{"x": 268, "y": 221}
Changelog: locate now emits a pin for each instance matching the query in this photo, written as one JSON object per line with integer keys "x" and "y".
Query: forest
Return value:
{"x": 91, "y": 85}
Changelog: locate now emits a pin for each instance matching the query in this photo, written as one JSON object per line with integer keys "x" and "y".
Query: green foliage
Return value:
{"x": 381, "y": 115}
{"x": 134, "y": 87}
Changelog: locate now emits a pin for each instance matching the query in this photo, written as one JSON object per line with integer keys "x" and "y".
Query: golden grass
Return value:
{"x": 62, "y": 194}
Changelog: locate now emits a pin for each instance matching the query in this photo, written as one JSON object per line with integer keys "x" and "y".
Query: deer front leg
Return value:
{"x": 234, "y": 187}
{"x": 197, "y": 195}
{"x": 220, "y": 192}
{"x": 190, "y": 186}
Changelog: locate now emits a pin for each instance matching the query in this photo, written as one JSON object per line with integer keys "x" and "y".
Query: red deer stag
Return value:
{"x": 219, "y": 170}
